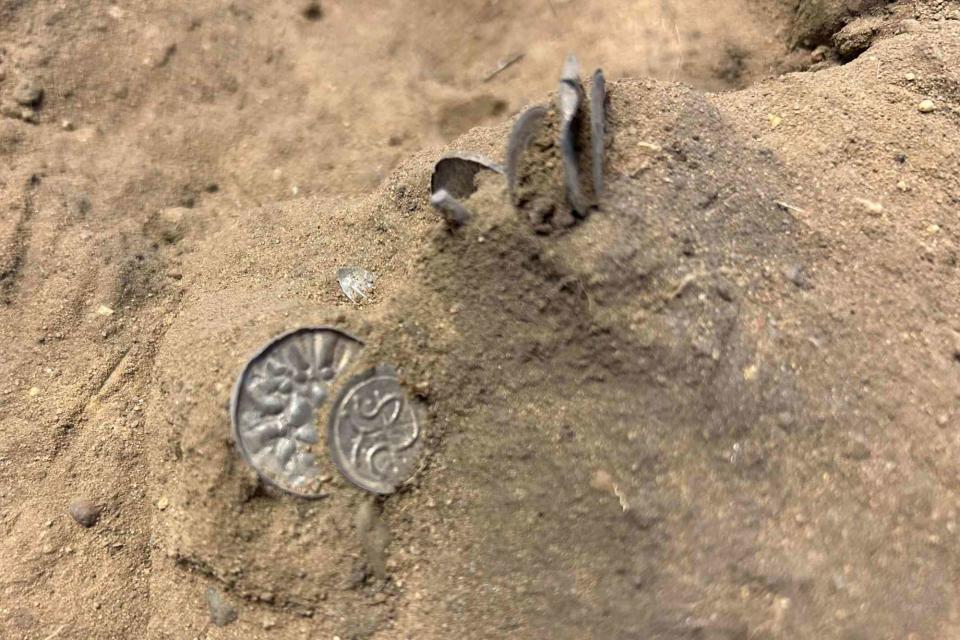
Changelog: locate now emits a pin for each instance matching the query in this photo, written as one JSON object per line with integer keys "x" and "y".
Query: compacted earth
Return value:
{"x": 724, "y": 404}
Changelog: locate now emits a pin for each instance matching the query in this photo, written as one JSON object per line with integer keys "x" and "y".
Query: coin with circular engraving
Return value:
{"x": 276, "y": 401}
{"x": 374, "y": 431}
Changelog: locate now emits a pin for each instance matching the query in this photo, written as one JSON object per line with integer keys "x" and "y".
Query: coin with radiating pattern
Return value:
{"x": 276, "y": 401}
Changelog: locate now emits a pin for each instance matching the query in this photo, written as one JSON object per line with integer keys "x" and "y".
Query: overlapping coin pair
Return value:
{"x": 286, "y": 390}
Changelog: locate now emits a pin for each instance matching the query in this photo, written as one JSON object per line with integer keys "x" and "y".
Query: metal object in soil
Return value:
{"x": 598, "y": 118}
{"x": 453, "y": 181}
{"x": 275, "y": 403}
{"x": 524, "y": 130}
{"x": 374, "y": 432}
{"x": 355, "y": 283}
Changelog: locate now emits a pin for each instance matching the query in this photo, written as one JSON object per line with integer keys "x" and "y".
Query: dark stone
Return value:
{"x": 84, "y": 512}
{"x": 28, "y": 93}
{"x": 313, "y": 11}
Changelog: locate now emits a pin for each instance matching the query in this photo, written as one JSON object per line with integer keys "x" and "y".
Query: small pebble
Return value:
{"x": 104, "y": 310}
{"x": 909, "y": 26}
{"x": 903, "y": 186}
{"x": 9, "y": 109}
{"x": 28, "y": 93}
{"x": 873, "y": 208}
{"x": 222, "y": 612}
{"x": 602, "y": 481}
{"x": 942, "y": 420}
{"x": 794, "y": 273}
{"x": 820, "y": 54}
{"x": 910, "y": 76}
{"x": 163, "y": 503}
{"x": 313, "y": 11}
{"x": 857, "y": 450}
{"x": 84, "y": 512}
{"x": 839, "y": 583}
{"x": 926, "y": 106}
{"x": 785, "y": 419}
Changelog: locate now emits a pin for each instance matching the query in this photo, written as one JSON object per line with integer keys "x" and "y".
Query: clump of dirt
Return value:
{"x": 539, "y": 190}
{"x": 816, "y": 21}
{"x": 540, "y": 194}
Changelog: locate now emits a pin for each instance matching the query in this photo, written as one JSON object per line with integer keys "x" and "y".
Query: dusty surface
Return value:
{"x": 723, "y": 406}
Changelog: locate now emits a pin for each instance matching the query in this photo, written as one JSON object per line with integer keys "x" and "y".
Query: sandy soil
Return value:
{"x": 724, "y": 405}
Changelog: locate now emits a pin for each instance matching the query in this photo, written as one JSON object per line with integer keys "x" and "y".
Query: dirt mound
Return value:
{"x": 816, "y": 21}
{"x": 666, "y": 421}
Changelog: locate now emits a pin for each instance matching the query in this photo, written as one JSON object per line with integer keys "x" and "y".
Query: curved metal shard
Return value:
{"x": 598, "y": 112}
{"x": 456, "y": 173}
{"x": 568, "y": 101}
{"x": 453, "y": 179}
{"x": 452, "y": 211}
{"x": 569, "y": 96}
{"x": 522, "y": 134}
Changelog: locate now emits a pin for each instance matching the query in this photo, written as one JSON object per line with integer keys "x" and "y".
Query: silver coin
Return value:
{"x": 374, "y": 432}
{"x": 275, "y": 403}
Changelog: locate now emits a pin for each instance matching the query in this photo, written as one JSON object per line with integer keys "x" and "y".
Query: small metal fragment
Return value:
{"x": 275, "y": 402}
{"x": 453, "y": 180}
{"x": 455, "y": 173}
{"x": 523, "y": 132}
{"x": 503, "y": 65}
{"x": 568, "y": 101}
{"x": 356, "y": 283}
{"x": 374, "y": 432}
{"x": 598, "y": 112}
{"x": 452, "y": 211}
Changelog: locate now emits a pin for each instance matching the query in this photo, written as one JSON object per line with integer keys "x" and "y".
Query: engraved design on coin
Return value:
{"x": 275, "y": 402}
{"x": 374, "y": 432}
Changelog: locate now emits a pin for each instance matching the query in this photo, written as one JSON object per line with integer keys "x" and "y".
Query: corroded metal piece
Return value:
{"x": 569, "y": 97}
{"x": 524, "y": 131}
{"x": 275, "y": 403}
{"x": 356, "y": 283}
{"x": 456, "y": 172}
{"x": 374, "y": 432}
{"x": 450, "y": 208}
{"x": 453, "y": 180}
{"x": 598, "y": 112}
